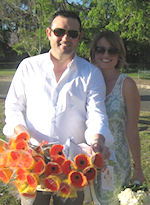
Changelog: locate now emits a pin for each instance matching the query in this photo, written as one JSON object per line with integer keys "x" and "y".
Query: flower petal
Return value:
{"x": 82, "y": 161}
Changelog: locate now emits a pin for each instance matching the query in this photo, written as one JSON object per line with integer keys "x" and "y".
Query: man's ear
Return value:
{"x": 48, "y": 32}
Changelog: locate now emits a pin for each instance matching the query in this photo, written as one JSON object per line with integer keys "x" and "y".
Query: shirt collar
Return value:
{"x": 72, "y": 63}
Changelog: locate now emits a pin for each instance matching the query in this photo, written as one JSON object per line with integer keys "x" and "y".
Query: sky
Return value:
{"x": 76, "y": 1}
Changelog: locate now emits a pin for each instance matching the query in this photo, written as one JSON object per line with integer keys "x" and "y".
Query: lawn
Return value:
{"x": 144, "y": 130}
{"x": 10, "y": 73}
{"x": 7, "y": 72}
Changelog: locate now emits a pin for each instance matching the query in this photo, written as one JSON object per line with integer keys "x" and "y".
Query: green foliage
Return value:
{"x": 26, "y": 21}
{"x": 83, "y": 49}
{"x": 129, "y": 18}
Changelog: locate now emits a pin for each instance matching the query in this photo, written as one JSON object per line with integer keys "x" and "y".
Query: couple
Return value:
{"x": 57, "y": 94}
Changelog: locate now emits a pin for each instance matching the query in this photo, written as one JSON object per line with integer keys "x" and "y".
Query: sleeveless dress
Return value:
{"x": 116, "y": 111}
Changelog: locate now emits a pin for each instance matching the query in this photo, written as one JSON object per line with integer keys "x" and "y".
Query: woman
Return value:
{"x": 123, "y": 107}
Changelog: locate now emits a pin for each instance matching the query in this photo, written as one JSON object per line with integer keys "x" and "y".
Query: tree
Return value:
{"x": 26, "y": 21}
{"x": 130, "y": 18}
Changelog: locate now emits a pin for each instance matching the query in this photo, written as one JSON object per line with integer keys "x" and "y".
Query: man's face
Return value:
{"x": 65, "y": 44}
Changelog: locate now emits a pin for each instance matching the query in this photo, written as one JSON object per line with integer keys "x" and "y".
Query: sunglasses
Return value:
{"x": 59, "y": 32}
{"x": 102, "y": 50}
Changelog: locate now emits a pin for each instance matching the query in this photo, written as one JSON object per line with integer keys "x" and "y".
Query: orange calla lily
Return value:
{"x": 22, "y": 136}
{"x": 56, "y": 150}
{"x": 82, "y": 161}
{"x": 32, "y": 180}
{"x": 29, "y": 195}
{"x": 67, "y": 167}
{"x": 14, "y": 157}
{"x": 3, "y": 146}
{"x": 27, "y": 161}
{"x": 18, "y": 145}
{"x": 98, "y": 160}
{"x": 27, "y": 168}
{"x": 53, "y": 168}
{"x": 21, "y": 145}
{"x": 60, "y": 159}
{"x": 90, "y": 173}
{"x": 24, "y": 188}
{"x": 52, "y": 183}
{"x": 5, "y": 175}
{"x": 21, "y": 174}
{"x": 77, "y": 179}
{"x": 64, "y": 189}
{"x": 39, "y": 167}
{"x": 4, "y": 160}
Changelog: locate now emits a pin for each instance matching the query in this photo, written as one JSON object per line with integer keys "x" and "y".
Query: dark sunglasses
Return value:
{"x": 111, "y": 50}
{"x": 59, "y": 32}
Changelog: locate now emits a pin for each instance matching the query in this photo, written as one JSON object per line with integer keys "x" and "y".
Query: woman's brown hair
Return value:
{"x": 115, "y": 41}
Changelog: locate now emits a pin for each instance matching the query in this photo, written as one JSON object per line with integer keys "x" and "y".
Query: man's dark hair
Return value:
{"x": 67, "y": 14}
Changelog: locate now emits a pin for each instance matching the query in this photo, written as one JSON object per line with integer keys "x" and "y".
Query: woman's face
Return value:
{"x": 106, "y": 56}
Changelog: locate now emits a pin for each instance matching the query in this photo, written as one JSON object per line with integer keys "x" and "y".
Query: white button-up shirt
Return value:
{"x": 72, "y": 107}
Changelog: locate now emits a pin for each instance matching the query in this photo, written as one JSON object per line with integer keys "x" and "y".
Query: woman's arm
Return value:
{"x": 132, "y": 101}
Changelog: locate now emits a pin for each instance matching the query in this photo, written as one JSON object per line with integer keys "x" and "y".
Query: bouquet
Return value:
{"x": 134, "y": 195}
{"x": 45, "y": 167}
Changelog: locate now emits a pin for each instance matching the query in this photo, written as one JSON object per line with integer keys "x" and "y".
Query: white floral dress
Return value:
{"x": 116, "y": 111}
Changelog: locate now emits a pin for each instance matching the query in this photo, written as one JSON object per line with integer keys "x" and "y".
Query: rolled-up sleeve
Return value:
{"x": 15, "y": 103}
{"x": 97, "y": 122}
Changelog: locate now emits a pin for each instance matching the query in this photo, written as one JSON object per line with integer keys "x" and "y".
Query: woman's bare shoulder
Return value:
{"x": 129, "y": 83}
{"x": 130, "y": 90}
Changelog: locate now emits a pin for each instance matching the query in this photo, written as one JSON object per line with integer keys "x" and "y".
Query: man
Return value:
{"x": 58, "y": 95}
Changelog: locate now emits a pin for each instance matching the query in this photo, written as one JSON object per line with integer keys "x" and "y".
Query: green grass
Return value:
{"x": 133, "y": 75}
{"x": 10, "y": 72}
{"x": 144, "y": 74}
{"x": 7, "y": 72}
{"x": 144, "y": 130}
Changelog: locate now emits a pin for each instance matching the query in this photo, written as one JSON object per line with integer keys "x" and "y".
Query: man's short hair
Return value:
{"x": 67, "y": 14}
